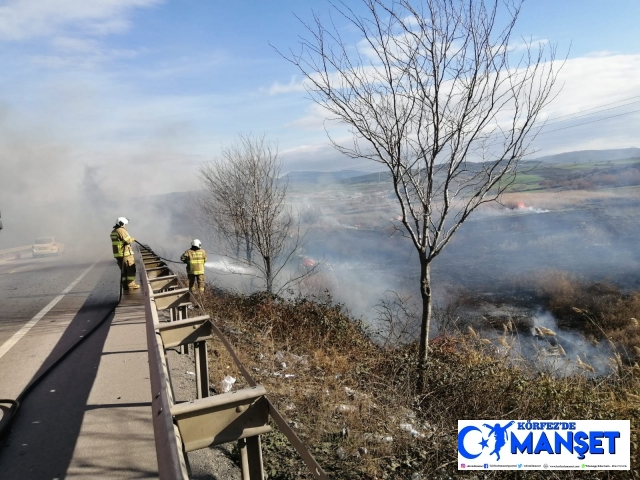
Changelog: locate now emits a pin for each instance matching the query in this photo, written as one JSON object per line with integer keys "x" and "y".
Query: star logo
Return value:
{"x": 484, "y": 443}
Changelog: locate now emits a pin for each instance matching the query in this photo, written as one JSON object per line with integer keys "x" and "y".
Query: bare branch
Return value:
{"x": 436, "y": 92}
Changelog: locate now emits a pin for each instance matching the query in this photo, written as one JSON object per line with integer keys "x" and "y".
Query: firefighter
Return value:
{"x": 195, "y": 258}
{"x": 123, "y": 253}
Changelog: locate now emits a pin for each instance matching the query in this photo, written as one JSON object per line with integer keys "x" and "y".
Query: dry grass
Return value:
{"x": 355, "y": 404}
{"x": 599, "y": 310}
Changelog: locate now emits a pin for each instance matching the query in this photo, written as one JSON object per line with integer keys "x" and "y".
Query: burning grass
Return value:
{"x": 357, "y": 407}
{"x": 568, "y": 199}
{"x": 599, "y": 310}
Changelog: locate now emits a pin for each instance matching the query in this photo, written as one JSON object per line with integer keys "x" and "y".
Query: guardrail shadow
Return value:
{"x": 45, "y": 432}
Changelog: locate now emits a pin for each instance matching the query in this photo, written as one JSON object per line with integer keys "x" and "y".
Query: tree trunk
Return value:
{"x": 268, "y": 274}
{"x": 237, "y": 245}
{"x": 248, "y": 249}
{"x": 427, "y": 302}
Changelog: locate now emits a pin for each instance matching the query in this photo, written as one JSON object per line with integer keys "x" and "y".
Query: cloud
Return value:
{"x": 316, "y": 119}
{"x": 528, "y": 44}
{"x": 84, "y": 60}
{"x": 322, "y": 157}
{"x": 71, "y": 44}
{"x": 588, "y": 81}
{"x": 25, "y": 19}
{"x": 595, "y": 80}
{"x": 294, "y": 85}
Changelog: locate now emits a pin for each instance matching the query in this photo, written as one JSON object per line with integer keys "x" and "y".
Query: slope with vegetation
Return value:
{"x": 358, "y": 407}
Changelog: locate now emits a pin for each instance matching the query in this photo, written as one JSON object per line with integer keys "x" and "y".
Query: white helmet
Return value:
{"x": 122, "y": 221}
{"x": 196, "y": 243}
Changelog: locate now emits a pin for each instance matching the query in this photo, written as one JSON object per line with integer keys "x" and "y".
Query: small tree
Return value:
{"x": 431, "y": 87}
{"x": 226, "y": 197}
{"x": 244, "y": 200}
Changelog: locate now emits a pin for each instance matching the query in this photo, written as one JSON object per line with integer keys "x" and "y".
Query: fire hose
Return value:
{"x": 162, "y": 258}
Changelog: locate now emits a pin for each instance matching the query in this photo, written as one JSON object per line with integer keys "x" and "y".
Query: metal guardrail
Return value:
{"x": 15, "y": 252}
{"x": 205, "y": 421}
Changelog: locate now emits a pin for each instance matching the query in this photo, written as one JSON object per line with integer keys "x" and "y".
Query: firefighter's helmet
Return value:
{"x": 196, "y": 243}
{"x": 122, "y": 221}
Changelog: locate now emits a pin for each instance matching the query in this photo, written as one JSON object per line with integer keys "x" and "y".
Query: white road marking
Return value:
{"x": 31, "y": 323}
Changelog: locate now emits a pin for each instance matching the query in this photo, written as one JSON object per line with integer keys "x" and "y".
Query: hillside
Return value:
{"x": 587, "y": 156}
{"x": 562, "y": 160}
{"x": 357, "y": 404}
{"x": 301, "y": 178}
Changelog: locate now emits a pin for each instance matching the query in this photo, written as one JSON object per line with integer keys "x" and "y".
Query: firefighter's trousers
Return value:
{"x": 192, "y": 282}
{"x": 128, "y": 271}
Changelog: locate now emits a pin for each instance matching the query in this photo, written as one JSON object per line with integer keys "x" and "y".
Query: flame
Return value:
{"x": 307, "y": 262}
{"x": 520, "y": 205}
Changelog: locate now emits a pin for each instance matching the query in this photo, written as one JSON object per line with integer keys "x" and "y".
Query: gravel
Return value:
{"x": 212, "y": 463}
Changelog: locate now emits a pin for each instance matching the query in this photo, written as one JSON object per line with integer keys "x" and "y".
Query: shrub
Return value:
{"x": 350, "y": 400}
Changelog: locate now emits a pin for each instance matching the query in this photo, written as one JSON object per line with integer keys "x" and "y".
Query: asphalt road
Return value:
{"x": 46, "y": 306}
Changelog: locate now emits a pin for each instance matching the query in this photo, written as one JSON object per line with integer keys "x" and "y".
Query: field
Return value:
{"x": 591, "y": 232}
{"x": 549, "y": 258}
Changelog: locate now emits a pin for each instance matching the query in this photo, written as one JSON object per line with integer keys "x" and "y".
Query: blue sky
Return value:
{"x": 155, "y": 87}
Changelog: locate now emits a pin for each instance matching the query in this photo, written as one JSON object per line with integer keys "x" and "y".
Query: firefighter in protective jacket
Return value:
{"x": 123, "y": 253}
{"x": 195, "y": 259}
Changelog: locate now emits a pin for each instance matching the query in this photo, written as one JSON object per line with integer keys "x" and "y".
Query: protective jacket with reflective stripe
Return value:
{"x": 195, "y": 259}
{"x": 121, "y": 242}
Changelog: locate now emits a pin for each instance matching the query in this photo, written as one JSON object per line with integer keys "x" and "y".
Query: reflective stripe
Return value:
{"x": 119, "y": 247}
{"x": 196, "y": 261}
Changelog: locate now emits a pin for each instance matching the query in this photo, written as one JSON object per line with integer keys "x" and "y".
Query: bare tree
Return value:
{"x": 245, "y": 201}
{"x": 437, "y": 92}
{"x": 225, "y": 198}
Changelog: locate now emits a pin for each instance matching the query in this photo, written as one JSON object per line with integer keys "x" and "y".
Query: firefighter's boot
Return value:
{"x": 133, "y": 286}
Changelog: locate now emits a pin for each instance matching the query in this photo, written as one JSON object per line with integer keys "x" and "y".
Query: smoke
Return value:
{"x": 53, "y": 185}
{"x": 562, "y": 352}
{"x": 93, "y": 192}
{"x": 223, "y": 266}
{"x": 495, "y": 255}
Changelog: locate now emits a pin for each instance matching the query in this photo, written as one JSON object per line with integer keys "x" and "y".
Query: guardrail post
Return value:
{"x": 251, "y": 458}
{"x": 241, "y": 415}
{"x": 202, "y": 369}
{"x": 182, "y": 314}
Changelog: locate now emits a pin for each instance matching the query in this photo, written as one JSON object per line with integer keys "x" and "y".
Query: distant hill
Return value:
{"x": 367, "y": 178}
{"x": 299, "y": 178}
{"x": 582, "y": 156}
{"x": 587, "y": 156}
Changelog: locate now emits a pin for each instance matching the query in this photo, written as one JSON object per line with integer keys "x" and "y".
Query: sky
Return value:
{"x": 127, "y": 97}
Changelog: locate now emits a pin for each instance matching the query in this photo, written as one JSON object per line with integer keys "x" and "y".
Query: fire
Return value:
{"x": 307, "y": 262}
{"x": 520, "y": 205}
